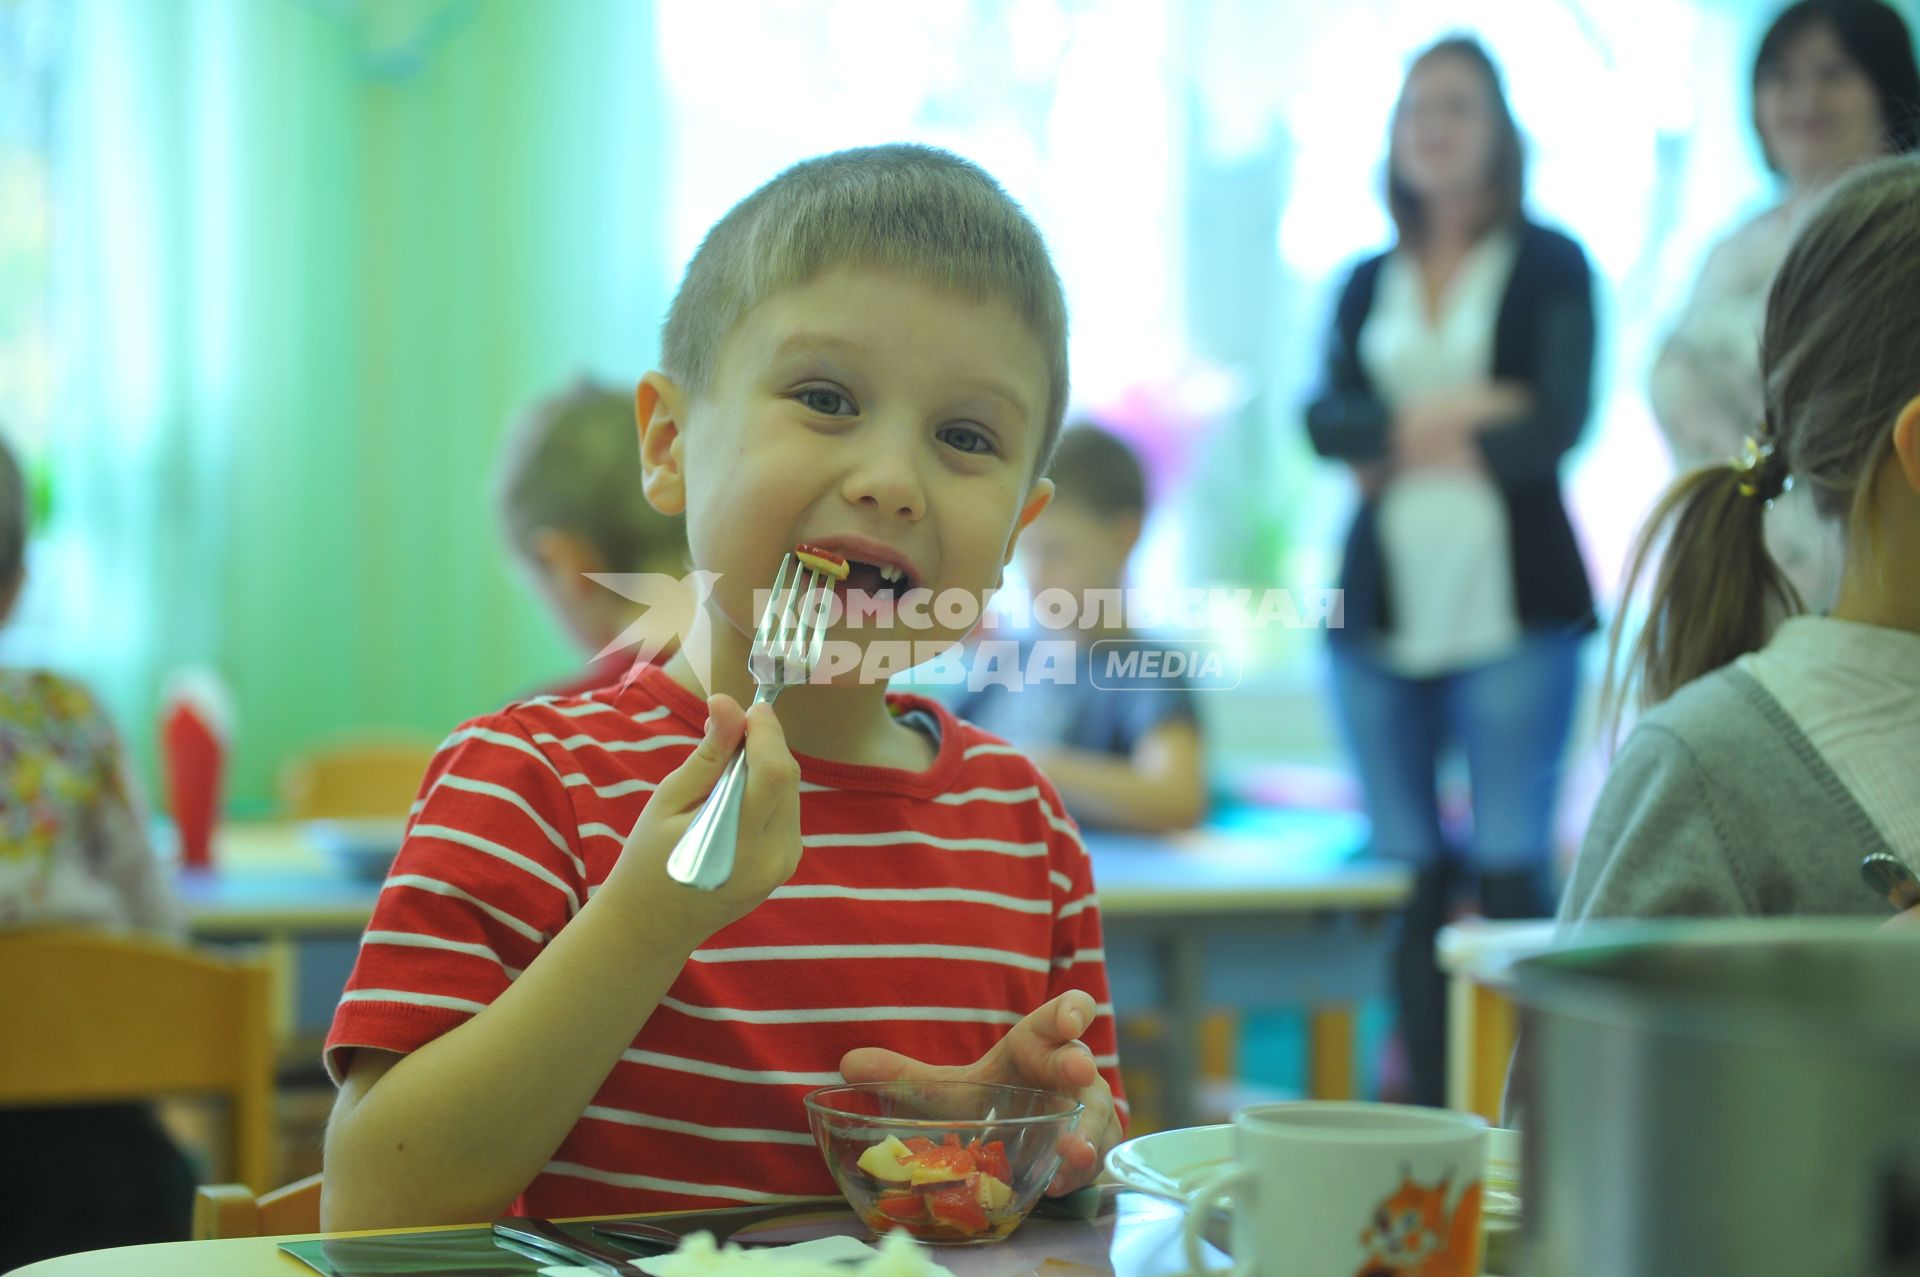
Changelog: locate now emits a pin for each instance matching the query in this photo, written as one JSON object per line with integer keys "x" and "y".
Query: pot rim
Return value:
{"x": 1568, "y": 981}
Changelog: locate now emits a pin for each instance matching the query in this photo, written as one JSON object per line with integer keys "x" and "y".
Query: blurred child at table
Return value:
{"x": 868, "y": 354}
{"x": 571, "y": 506}
{"x": 1777, "y": 756}
{"x": 1123, "y": 751}
{"x": 74, "y": 853}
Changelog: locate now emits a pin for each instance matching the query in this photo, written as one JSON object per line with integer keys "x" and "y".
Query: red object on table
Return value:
{"x": 195, "y": 749}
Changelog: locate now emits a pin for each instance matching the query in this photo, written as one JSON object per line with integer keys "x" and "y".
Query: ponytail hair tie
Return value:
{"x": 1762, "y": 470}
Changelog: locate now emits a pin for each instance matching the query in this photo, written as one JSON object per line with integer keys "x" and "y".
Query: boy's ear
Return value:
{"x": 659, "y": 408}
{"x": 1039, "y": 497}
{"x": 1906, "y": 442}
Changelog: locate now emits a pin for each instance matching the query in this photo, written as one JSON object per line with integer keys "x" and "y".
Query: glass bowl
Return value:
{"x": 949, "y": 1163}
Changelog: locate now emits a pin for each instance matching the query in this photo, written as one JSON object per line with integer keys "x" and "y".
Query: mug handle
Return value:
{"x": 1221, "y": 1184}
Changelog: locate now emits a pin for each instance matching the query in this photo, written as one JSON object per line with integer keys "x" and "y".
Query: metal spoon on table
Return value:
{"x": 1890, "y": 876}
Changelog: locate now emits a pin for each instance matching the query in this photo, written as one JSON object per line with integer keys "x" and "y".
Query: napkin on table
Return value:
{"x": 196, "y": 723}
{"x": 692, "y": 1258}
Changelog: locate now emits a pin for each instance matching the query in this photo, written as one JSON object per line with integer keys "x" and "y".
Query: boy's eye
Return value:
{"x": 966, "y": 439}
{"x": 825, "y": 401}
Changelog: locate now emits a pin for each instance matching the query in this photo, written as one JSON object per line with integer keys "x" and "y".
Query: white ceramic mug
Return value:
{"x": 1347, "y": 1190}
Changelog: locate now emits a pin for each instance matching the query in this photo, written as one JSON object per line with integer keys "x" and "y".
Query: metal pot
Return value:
{"x": 1721, "y": 1098}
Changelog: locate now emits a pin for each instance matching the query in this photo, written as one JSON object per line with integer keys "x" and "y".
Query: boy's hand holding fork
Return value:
{"x": 768, "y": 848}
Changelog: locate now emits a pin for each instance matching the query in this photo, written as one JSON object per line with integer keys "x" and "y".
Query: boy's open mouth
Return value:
{"x": 875, "y": 581}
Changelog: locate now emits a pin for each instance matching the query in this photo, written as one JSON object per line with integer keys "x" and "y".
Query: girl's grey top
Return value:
{"x": 1718, "y": 805}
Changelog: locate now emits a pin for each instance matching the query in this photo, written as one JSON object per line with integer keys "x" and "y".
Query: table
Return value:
{"x": 1482, "y": 1022}
{"x": 273, "y": 890}
{"x": 1262, "y": 908}
{"x": 1110, "y": 1233}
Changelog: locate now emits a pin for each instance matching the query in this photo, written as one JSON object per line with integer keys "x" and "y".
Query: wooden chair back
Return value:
{"x": 368, "y": 780}
{"x": 231, "y": 1210}
{"x": 89, "y": 1017}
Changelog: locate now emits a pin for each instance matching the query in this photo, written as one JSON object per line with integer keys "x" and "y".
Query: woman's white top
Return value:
{"x": 1707, "y": 397}
{"x": 1443, "y": 532}
{"x": 1854, "y": 691}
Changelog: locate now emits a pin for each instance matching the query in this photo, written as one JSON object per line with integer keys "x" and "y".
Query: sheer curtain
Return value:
{"x": 30, "y": 35}
{"x": 1205, "y": 173}
{"x": 312, "y": 257}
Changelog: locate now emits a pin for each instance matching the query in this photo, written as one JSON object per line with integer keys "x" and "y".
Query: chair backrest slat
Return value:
{"x": 92, "y": 1017}
{"x": 231, "y": 1210}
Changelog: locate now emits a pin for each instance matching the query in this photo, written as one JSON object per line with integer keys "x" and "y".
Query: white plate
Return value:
{"x": 1171, "y": 1163}
{"x": 1502, "y": 1178}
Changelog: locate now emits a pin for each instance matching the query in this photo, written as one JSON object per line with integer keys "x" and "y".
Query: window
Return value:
{"x": 29, "y": 31}
{"x": 1204, "y": 173}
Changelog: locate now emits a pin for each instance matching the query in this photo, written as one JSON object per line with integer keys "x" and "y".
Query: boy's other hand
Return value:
{"x": 1903, "y": 921}
{"x": 1043, "y": 1051}
{"x": 768, "y": 847}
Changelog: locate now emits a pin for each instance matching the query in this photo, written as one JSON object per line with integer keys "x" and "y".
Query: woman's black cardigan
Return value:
{"x": 1544, "y": 340}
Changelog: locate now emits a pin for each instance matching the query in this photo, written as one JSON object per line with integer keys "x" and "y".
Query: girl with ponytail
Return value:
{"x": 1780, "y": 748}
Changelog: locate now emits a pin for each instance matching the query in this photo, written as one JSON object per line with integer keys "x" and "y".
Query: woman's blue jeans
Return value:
{"x": 1511, "y": 719}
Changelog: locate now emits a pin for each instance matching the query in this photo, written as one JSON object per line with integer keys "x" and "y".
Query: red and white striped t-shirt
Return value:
{"x": 931, "y": 910}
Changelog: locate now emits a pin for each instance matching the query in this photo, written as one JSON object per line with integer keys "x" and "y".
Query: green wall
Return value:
{"x": 320, "y": 255}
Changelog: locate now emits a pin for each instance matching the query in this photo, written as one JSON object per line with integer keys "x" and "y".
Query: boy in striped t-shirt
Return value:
{"x": 869, "y": 354}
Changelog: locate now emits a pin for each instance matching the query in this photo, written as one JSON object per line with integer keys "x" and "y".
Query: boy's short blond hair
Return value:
{"x": 917, "y": 209}
{"x": 573, "y": 465}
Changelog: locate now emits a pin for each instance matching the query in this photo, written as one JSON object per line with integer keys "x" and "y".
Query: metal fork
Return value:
{"x": 546, "y": 1241}
{"x": 786, "y": 650}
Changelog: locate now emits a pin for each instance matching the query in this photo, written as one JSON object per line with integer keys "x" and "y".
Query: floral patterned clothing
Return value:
{"x": 73, "y": 848}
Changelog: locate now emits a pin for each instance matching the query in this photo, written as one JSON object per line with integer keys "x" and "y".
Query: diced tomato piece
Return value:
{"x": 821, "y": 552}
{"x": 991, "y": 1158}
{"x": 950, "y": 1157}
{"x": 903, "y": 1207}
{"x": 960, "y": 1208}
{"x": 919, "y": 1144}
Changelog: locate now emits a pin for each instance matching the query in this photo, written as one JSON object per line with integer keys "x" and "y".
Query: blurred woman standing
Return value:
{"x": 1458, "y": 376}
{"x": 1834, "y": 85}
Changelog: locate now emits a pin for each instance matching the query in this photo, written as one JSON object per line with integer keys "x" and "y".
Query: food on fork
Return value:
{"x": 942, "y": 1191}
{"x": 821, "y": 559}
